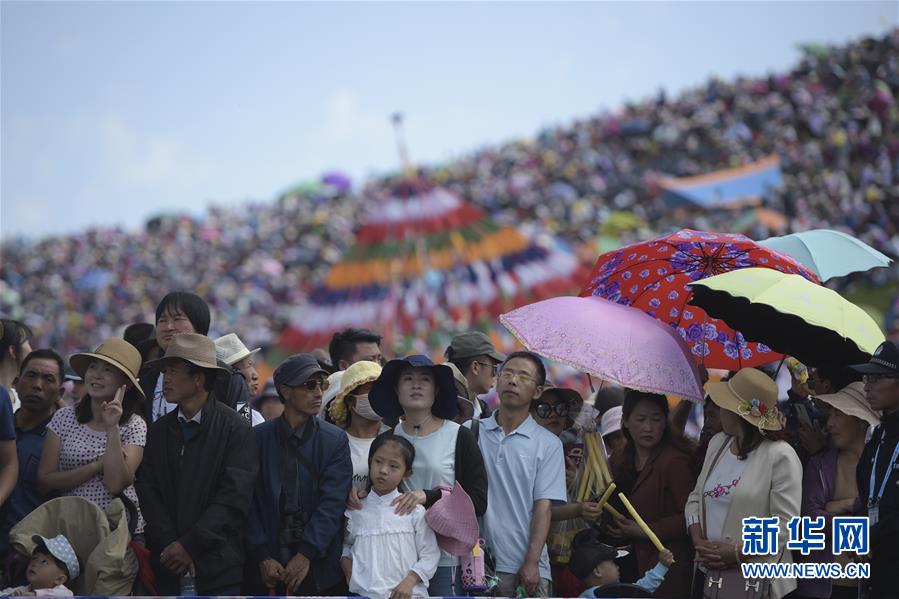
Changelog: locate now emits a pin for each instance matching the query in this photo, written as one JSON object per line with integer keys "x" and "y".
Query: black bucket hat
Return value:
{"x": 386, "y": 403}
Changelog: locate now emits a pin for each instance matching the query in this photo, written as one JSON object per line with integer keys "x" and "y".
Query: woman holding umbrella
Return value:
{"x": 423, "y": 395}
{"x": 745, "y": 474}
{"x": 655, "y": 472}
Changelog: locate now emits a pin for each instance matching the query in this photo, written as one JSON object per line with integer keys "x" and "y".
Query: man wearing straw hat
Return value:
{"x": 877, "y": 474}
{"x": 196, "y": 481}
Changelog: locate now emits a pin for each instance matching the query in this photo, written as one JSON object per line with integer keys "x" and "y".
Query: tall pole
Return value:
{"x": 397, "y": 119}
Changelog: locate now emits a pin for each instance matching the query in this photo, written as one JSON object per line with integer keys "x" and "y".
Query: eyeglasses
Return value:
{"x": 508, "y": 375}
{"x": 311, "y": 384}
{"x": 873, "y": 378}
{"x": 545, "y": 410}
{"x": 493, "y": 367}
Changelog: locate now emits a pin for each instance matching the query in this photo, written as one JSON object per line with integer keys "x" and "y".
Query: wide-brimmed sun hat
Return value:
{"x": 851, "y": 401}
{"x": 116, "y": 352}
{"x": 751, "y": 394}
{"x": 568, "y": 395}
{"x": 356, "y": 375}
{"x": 197, "y": 349}
{"x": 383, "y": 397}
{"x": 454, "y": 522}
{"x": 231, "y": 350}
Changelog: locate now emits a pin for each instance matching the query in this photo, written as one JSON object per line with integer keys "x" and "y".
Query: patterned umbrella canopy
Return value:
{"x": 653, "y": 276}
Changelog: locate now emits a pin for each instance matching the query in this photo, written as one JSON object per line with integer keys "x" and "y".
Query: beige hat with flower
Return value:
{"x": 751, "y": 394}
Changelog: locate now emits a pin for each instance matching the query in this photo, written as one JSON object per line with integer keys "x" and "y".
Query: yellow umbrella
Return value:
{"x": 790, "y": 315}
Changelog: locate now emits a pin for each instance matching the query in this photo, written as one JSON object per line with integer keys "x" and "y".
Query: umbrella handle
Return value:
{"x": 776, "y": 372}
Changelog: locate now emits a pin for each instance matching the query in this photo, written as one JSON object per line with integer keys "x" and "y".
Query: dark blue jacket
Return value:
{"x": 326, "y": 447}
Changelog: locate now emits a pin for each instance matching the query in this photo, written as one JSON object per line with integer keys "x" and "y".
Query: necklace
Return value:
{"x": 416, "y": 428}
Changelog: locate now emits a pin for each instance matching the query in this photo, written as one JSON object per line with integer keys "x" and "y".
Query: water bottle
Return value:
{"x": 188, "y": 585}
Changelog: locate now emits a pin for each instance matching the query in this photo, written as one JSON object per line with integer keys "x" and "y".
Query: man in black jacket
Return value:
{"x": 877, "y": 474}
{"x": 196, "y": 481}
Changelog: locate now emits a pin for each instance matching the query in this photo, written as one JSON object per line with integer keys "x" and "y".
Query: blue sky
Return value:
{"x": 112, "y": 112}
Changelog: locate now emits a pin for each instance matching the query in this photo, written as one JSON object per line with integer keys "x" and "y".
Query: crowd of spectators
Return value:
{"x": 833, "y": 121}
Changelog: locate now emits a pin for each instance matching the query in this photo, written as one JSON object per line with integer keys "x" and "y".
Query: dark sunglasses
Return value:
{"x": 311, "y": 384}
{"x": 545, "y": 410}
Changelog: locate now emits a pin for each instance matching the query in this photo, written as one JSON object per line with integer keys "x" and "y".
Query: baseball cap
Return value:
{"x": 60, "y": 548}
{"x": 586, "y": 556}
{"x": 884, "y": 361}
{"x": 470, "y": 344}
{"x": 296, "y": 370}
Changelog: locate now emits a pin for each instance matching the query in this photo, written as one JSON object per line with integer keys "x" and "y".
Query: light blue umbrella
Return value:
{"x": 829, "y": 253}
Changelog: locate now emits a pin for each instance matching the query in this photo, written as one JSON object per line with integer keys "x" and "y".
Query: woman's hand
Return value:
{"x": 354, "y": 499}
{"x": 406, "y": 502}
{"x": 112, "y": 410}
{"x": 625, "y": 528}
{"x": 718, "y": 556}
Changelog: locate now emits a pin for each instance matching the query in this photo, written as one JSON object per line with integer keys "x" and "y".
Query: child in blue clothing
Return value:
{"x": 594, "y": 563}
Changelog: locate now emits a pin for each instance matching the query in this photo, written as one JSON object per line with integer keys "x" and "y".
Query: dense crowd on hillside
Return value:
{"x": 833, "y": 120}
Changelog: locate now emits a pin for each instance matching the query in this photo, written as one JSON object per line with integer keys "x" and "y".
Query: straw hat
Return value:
{"x": 116, "y": 352}
{"x": 197, "y": 349}
{"x": 751, "y": 394}
{"x": 851, "y": 401}
{"x": 231, "y": 350}
{"x": 356, "y": 375}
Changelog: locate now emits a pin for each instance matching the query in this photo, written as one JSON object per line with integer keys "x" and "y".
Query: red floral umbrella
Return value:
{"x": 653, "y": 276}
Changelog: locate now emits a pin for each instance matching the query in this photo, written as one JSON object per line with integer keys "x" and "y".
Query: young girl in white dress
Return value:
{"x": 385, "y": 555}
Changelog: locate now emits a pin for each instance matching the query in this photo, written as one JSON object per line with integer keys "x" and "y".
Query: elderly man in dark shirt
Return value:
{"x": 305, "y": 477}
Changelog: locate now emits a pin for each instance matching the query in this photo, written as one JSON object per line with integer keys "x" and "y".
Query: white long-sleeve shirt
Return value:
{"x": 385, "y": 547}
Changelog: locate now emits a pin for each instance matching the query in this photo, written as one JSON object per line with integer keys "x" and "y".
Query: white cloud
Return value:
{"x": 145, "y": 160}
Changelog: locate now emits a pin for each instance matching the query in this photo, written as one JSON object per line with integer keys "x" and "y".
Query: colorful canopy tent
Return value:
{"x": 724, "y": 187}
{"x": 425, "y": 263}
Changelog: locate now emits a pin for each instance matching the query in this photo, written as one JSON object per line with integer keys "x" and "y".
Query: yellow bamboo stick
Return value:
{"x": 586, "y": 476}
{"x": 593, "y": 458}
{"x": 612, "y": 511}
{"x": 606, "y": 495}
{"x": 603, "y": 463}
{"x": 652, "y": 536}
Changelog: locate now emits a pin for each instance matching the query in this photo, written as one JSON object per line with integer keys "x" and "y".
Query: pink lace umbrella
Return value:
{"x": 613, "y": 342}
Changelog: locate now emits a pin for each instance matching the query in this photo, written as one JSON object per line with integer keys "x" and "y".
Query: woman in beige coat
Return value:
{"x": 745, "y": 474}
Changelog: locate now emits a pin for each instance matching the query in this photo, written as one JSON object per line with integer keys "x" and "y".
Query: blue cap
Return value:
{"x": 296, "y": 370}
